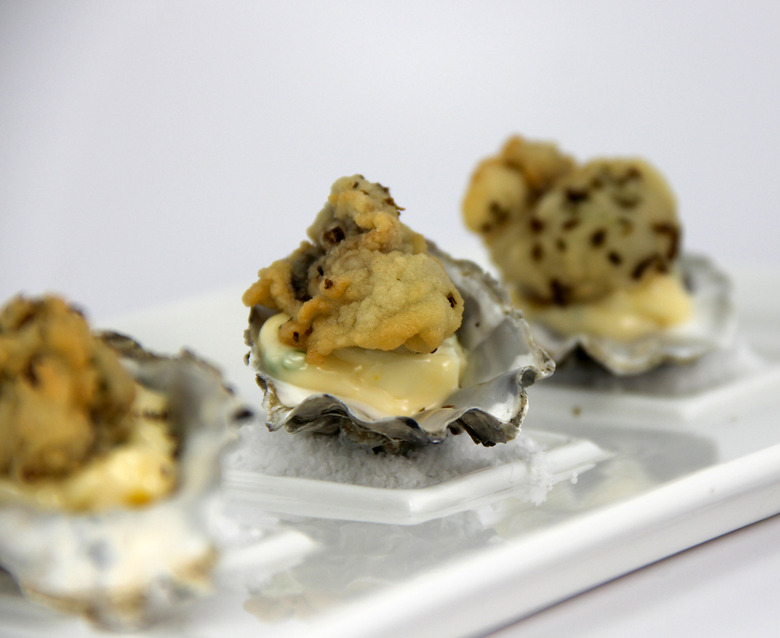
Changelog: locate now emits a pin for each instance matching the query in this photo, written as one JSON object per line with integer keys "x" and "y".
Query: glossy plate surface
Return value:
{"x": 637, "y": 474}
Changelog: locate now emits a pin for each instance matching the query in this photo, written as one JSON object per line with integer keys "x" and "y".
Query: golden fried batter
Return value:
{"x": 564, "y": 233}
{"x": 364, "y": 280}
{"x": 63, "y": 394}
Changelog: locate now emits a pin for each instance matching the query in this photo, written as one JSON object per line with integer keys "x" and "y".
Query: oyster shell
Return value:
{"x": 503, "y": 360}
{"x": 570, "y": 238}
{"x": 712, "y": 327}
{"x": 122, "y": 567}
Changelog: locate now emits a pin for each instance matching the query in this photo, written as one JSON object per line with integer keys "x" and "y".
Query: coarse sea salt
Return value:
{"x": 720, "y": 368}
{"x": 325, "y": 458}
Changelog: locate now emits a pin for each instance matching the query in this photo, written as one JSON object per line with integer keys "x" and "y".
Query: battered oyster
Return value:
{"x": 591, "y": 253}
{"x": 372, "y": 333}
{"x": 107, "y": 465}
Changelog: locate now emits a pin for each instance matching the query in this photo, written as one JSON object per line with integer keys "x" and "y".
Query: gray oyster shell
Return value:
{"x": 502, "y": 360}
{"x": 713, "y": 327}
{"x": 122, "y": 568}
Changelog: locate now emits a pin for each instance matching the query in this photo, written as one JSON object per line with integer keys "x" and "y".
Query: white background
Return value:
{"x": 151, "y": 151}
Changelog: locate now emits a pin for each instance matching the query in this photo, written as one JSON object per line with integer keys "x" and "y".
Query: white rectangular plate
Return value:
{"x": 637, "y": 478}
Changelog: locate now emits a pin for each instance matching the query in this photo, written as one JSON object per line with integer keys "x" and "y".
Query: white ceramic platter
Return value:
{"x": 638, "y": 473}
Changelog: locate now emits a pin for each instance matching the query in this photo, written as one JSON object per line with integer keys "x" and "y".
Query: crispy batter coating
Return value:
{"x": 63, "y": 394}
{"x": 365, "y": 279}
{"x": 564, "y": 233}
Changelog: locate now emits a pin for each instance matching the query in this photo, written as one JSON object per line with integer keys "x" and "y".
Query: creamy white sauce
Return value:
{"x": 399, "y": 383}
{"x": 660, "y": 302}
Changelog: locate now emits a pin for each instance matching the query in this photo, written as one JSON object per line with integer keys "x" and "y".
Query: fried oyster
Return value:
{"x": 366, "y": 331}
{"x": 591, "y": 252}
{"x": 364, "y": 280}
{"x": 66, "y": 407}
{"x": 108, "y": 457}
